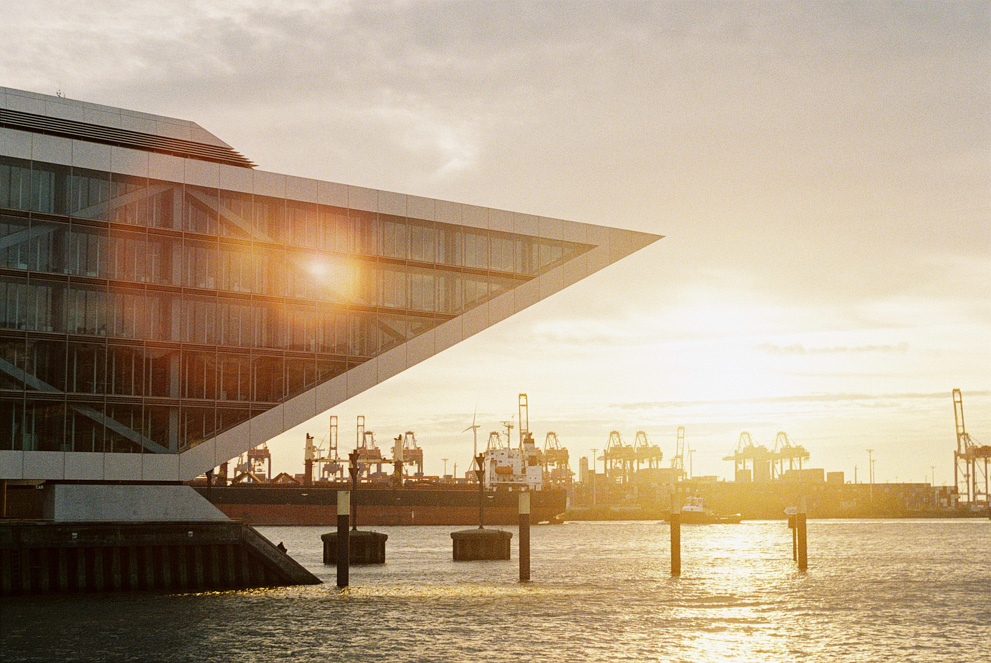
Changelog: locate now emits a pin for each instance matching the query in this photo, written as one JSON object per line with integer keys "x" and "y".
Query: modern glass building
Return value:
{"x": 165, "y": 306}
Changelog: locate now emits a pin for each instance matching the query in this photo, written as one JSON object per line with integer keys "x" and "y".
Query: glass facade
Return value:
{"x": 146, "y": 316}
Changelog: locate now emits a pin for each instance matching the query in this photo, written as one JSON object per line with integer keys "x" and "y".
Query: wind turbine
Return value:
{"x": 474, "y": 432}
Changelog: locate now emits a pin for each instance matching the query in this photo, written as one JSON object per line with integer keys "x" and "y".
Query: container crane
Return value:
{"x": 785, "y": 450}
{"x": 758, "y": 456}
{"x": 556, "y": 468}
{"x": 412, "y": 453}
{"x": 331, "y": 466}
{"x": 368, "y": 452}
{"x": 678, "y": 462}
{"x": 645, "y": 452}
{"x": 970, "y": 459}
{"x": 619, "y": 459}
{"x": 524, "y": 419}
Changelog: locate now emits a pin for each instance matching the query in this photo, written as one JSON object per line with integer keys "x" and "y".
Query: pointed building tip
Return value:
{"x": 641, "y": 240}
{"x": 625, "y": 242}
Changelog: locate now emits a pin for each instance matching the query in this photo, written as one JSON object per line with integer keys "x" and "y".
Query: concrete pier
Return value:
{"x": 46, "y": 557}
{"x": 364, "y": 547}
{"x": 481, "y": 544}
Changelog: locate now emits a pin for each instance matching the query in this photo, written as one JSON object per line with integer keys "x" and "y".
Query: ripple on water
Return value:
{"x": 894, "y": 590}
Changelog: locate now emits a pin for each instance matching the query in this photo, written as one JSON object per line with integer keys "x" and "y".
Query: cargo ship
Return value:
{"x": 384, "y": 498}
{"x": 273, "y": 504}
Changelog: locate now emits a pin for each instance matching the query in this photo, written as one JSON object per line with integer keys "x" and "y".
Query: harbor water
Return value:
{"x": 876, "y": 590}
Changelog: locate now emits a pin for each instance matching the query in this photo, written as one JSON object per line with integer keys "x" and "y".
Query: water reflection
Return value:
{"x": 600, "y": 592}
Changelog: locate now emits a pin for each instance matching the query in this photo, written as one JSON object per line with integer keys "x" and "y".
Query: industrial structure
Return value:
{"x": 766, "y": 464}
{"x": 678, "y": 460}
{"x": 168, "y": 306}
{"x": 970, "y": 461}
{"x": 557, "y": 469}
{"x": 526, "y": 466}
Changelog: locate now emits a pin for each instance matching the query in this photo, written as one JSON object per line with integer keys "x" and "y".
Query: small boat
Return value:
{"x": 693, "y": 512}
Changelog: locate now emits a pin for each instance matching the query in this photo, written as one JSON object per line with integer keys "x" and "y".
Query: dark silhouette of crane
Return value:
{"x": 970, "y": 459}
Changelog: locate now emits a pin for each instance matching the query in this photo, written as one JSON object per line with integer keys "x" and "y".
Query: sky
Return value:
{"x": 821, "y": 173}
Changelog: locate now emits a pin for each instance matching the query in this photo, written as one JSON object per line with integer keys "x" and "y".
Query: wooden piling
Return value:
{"x": 803, "y": 556}
{"x": 524, "y": 537}
{"x": 343, "y": 538}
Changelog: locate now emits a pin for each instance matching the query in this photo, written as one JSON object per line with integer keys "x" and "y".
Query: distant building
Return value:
{"x": 165, "y": 306}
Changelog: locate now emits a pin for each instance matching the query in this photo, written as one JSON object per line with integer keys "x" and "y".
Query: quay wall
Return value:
{"x": 41, "y": 557}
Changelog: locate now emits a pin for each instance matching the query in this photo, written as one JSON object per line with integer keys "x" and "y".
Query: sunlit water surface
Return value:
{"x": 875, "y": 590}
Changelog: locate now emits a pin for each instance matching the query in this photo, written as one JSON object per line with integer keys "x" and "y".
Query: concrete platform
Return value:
{"x": 481, "y": 544}
{"x": 365, "y": 547}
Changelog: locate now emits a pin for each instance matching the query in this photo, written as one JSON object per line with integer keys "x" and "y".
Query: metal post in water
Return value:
{"x": 354, "y": 471}
{"x": 675, "y": 535}
{"x": 524, "y": 537}
{"x": 803, "y": 555}
{"x": 480, "y": 474}
{"x": 343, "y": 537}
{"x": 793, "y": 524}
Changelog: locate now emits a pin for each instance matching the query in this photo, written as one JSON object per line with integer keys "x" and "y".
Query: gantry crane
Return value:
{"x": 783, "y": 451}
{"x": 330, "y": 465}
{"x": 412, "y": 453}
{"x": 678, "y": 462}
{"x": 555, "y": 459}
{"x": 970, "y": 459}
{"x": 619, "y": 459}
{"x": 524, "y": 419}
{"x": 495, "y": 441}
{"x": 645, "y": 452}
{"x": 759, "y": 457}
{"x": 368, "y": 452}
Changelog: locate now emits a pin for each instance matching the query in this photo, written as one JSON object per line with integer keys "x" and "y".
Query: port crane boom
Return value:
{"x": 970, "y": 460}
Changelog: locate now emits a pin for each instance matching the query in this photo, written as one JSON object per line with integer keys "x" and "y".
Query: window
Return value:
{"x": 15, "y": 183}
{"x": 394, "y": 242}
{"x": 14, "y": 247}
{"x": 422, "y": 242}
{"x": 89, "y": 194}
{"x": 200, "y": 210}
{"x": 129, "y": 200}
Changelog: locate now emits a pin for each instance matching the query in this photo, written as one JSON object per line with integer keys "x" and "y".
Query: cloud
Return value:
{"x": 799, "y": 349}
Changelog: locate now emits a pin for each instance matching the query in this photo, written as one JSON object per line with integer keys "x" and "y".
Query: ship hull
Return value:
{"x": 707, "y": 518}
{"x": 317, "y": 505}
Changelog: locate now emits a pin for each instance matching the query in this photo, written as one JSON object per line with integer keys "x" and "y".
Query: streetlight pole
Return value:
{"x": 870, "y": 471}
{"x": 593, "y": 476}
{"x": 933, "y": 485}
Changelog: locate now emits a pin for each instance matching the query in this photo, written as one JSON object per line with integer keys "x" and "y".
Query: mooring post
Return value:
{"x": 524, "y": 537}
{"x": 480, "y": 475}
{"x": 354, "y": 471}
{"x": 803, "y": 556}
{"x": 675, "y": 534}
{"x": 793, "y": 526}
{"x": 343, "y": 537}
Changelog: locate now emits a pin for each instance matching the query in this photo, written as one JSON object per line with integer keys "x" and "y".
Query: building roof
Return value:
{"x": 58, "y": 116}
